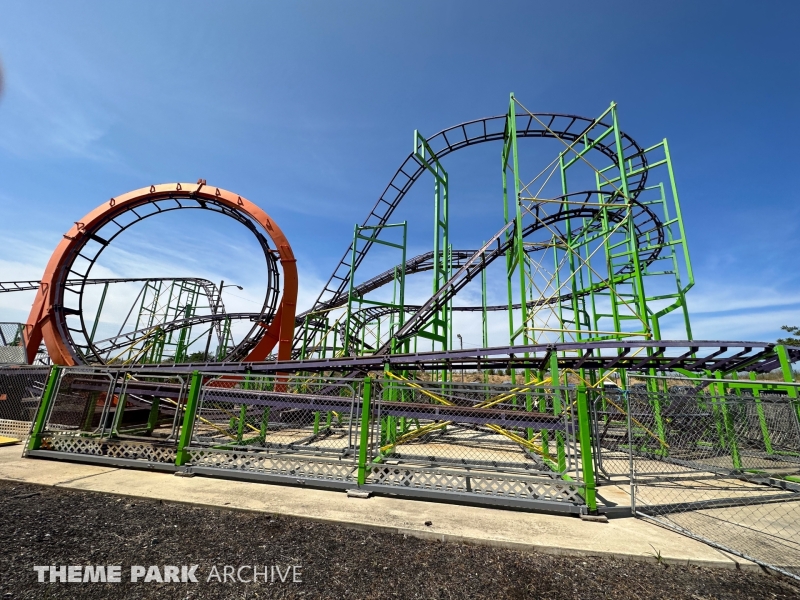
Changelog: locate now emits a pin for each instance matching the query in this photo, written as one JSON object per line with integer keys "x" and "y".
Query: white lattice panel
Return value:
{"x": 275, "y": 464}
{"x": 74, "y": 444}
{"x": 15, "y": 429}
{"x": 484, "y": 485}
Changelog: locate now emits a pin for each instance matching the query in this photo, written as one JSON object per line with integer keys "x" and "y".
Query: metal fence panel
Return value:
{"x": 503, "y": 443}
{"x": 115, "y": 415}
{"x": 20, "y": 392}
{"x": 12, "y": 346}
{"x": 300, "y": 428}
{"x": 721, "y": 468}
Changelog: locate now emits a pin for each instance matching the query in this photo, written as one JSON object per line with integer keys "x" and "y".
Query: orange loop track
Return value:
{"x": 42, "y": 325}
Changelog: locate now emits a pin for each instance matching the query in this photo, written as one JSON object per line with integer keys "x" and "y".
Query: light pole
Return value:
{"x": 461, "y": 343}
{"x": 217, "y": 304}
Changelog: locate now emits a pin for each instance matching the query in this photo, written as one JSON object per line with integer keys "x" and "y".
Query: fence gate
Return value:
{"x": 723, "y": 468}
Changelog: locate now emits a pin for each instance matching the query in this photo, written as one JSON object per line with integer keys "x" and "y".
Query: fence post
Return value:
{"x": 48, "y": 395}
{"x": 182, "y": 456}
{"x": 788, "y": 376}
{"x": 364, "y": 431}
{"x": 585, "y": 437}
{"x": 555, "y": 382}
{"x": 729, "y": 426}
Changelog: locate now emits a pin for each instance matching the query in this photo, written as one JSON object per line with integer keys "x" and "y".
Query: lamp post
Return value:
{"x": 461, "y": 343}
{"x": 216, "y": 306}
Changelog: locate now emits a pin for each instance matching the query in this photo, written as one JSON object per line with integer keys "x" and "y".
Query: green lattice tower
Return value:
{"x": 439, "y": 328}
{"x": 363, "y": 335}
{"x": 588, "y": 275}
{"x": 164, "y": 301}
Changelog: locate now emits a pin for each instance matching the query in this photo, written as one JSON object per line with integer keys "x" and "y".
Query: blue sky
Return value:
{"x": 307, "y": 108}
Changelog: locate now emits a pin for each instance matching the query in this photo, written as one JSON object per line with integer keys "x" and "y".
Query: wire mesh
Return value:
{"x": 303, "y": 415}
{"x": 509, "y": 441}
{"x": 115, "y": 413}
{"x": 12, "y": 346}
{"x": 504, "y": 427}
{"x": 721, "y": 467}
{"x": 20, "y": 391}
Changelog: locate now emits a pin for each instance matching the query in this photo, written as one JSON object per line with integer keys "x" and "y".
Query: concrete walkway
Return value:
{"x": 623, "y": 538}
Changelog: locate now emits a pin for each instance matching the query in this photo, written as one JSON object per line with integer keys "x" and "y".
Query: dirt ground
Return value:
{"x": 49, "y": 526}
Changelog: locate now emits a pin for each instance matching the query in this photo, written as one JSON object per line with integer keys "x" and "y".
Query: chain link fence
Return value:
{"x": 716, "y": 462}
{"x": 12, "y": 346}
{"x": 278, "y": 427}
{"x": 504, "y": 444}
{"x": 115, "y": 414}
{"x": 20, "y": 391}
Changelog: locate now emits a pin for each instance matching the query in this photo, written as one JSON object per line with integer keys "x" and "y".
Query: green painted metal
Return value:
{"x": 35, "y": 441}
{"x": 585, "y": 442}
{"x": 364, "y": 428}
{"x": 439, "y": 328}
{"x": 358, "y": 345}
{"x": 189, "y": 413}
{"x": 596, "y": 278}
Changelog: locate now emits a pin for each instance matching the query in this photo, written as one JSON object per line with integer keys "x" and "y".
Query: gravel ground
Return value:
{"x": 50, "y": 526}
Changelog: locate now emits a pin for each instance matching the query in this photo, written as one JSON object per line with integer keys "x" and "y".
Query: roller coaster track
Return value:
{"x": 210, "y": 289}
{"x": 480, "y": 259}
{"x": 569, "y": 128}
{"x": 127, "y": 340}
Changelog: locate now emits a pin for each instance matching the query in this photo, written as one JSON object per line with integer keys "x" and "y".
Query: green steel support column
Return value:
{"x": 152, "y": 418}
{"x": 542, "y": 407}
{"x": 555, "y": 381}
{"x": 88, "y": 416}
{"x": 305, "y": 339}
{"x": 240, "y": 423}
{"x": 788, "y": 376}
{"x": 189, "y": 413}
{"x": 584, "y": 433}
{"x": 363, "y": 443}
{"x": 515, "y": 257}
{"x": 762, "y": 419}
{"x": 573, "y": 272}
{"x": 440, "y": 323}
{"x": 316, "y": 422}
{"x": 262, "y": 434}
{"x": 730, "y": 431}
{"x": 373, "y": 233}
{"x": 242, "y": 413}
{"x": 716, "y": 411}
{"x": 48, "y": 396}
{"x": 632, "y": 238}
{"x": 679, "y": 215}
{"x": 97, "y": 315}
{"x": 350, "y": 290}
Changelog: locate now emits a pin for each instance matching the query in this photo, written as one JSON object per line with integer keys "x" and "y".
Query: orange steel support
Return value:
{"x": 41, "y": 321}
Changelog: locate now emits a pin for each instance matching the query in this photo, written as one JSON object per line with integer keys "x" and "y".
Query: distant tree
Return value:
{"x": 196, "y": 357}
{"x": 794, "y": 339}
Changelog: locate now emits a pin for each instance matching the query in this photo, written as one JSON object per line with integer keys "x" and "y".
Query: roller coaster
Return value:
{"x": 578, "y": 265}
{"x": 365, "y": 388}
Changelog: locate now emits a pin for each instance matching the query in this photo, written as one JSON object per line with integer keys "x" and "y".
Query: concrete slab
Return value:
{"x": 44, "y": 472}
{"x": 624, "y": 538}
